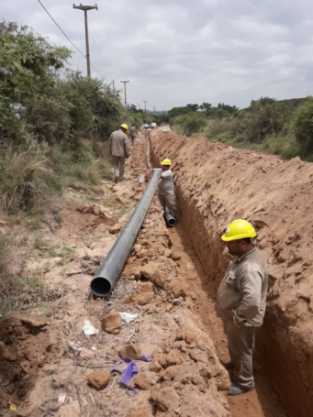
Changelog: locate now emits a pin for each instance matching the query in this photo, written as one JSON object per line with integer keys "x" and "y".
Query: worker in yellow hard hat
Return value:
{"x": 241, "y": 301}
{"x": 119, "y": 150}
{"x": 124, "y": 127}
{"x": 166, "y": 193}
{"x": 166, "y": 163}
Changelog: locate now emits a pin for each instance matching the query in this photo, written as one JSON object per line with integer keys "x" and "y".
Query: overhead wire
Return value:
{"x": 60, "y": 28}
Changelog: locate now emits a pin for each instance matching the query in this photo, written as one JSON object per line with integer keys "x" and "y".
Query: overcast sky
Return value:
{"x": 176, "y": 52}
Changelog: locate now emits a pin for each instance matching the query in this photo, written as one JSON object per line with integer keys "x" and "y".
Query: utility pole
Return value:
{"x": 145, "y": 103}
{"x": 86, "y": 9}
{"x": 125, "y": 91}
{"x": 112, "y": 86}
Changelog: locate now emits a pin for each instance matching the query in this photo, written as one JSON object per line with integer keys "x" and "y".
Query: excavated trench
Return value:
{"x": 216, "y": 183}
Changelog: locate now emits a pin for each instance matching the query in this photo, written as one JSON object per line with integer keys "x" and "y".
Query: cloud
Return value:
{"x": 180, "y": 51}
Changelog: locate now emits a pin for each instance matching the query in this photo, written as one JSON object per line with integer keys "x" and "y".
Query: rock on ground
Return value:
{"x": 98, "y": 379}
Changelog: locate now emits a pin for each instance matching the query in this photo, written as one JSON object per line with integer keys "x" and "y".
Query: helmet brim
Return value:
{"x": 226, "y": 238}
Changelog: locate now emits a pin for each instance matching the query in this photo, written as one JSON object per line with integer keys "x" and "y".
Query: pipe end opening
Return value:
{"x": 171, "y": 221}
{"x": 100, "y": 287}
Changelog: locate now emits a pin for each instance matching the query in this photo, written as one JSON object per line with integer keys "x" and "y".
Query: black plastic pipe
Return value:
{"x": 113, "y": 264}
{"x": 170, "y": 220}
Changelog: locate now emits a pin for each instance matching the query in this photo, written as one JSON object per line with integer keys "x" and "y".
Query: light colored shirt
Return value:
{"x": 242, "y": 293}
{"x": 118, "y": 144}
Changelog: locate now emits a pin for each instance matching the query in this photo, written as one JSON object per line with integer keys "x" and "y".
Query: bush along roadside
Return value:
{"x": 43, "y": 118}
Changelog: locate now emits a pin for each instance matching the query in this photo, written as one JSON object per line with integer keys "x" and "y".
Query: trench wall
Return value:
{"x": 216, "y": 183}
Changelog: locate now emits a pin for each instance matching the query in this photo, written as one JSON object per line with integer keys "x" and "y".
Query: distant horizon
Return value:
{"x": 240, "y": 108}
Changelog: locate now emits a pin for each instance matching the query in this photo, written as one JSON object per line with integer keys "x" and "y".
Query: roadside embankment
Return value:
{"x": 217, "y": 183}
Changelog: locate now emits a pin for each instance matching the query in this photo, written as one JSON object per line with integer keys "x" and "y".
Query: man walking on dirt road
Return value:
{"x": 241, "y": 301}
{"x": 132, "y": 134}
{"x": 119, "y": 150}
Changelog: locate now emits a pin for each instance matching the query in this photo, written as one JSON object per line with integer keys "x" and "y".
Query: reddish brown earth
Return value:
{"x": 50, "y": 368}
{"x": 217, "y": 183}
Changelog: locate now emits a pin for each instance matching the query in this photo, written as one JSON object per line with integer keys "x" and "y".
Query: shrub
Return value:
{"x": 283, "y": 145}
{"x": 303, "y": 127}
{"x": 191, "y": 123}
{"x": 93, "y": 110}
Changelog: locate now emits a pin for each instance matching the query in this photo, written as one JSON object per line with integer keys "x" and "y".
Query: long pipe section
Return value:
{"x": 113, "y": 264}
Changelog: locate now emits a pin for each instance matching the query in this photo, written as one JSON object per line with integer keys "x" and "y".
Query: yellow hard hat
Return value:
{"x": 124, "y": 126}
{"x": 166, "y": 162}
{"x": 238, "y": 229}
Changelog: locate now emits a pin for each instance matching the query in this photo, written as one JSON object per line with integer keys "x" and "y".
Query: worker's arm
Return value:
{"x": 126, "y": 147}
{"x": 251, "y": 289}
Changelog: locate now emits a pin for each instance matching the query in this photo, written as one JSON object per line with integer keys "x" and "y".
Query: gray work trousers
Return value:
{"x": 241, "y": 344}
{"x": 118, "y": 168}
{"x": 168, "y": 203}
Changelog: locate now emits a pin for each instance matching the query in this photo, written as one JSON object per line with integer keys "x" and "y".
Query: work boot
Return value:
{"x": 230, "y": 366}
{"x": 238, "y": 389}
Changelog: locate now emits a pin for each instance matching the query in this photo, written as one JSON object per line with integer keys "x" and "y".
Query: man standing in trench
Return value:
{"x": 119, "y": 150}
{"x": 166, "y": 192}
{"x": 241, "y": 301}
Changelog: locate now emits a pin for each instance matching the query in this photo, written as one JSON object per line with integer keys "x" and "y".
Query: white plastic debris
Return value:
{"x": 141, "y": 179}
{"x": 74, "y": 347}
{"x": 128, "y": 317}
{"x": 62, "y": 398}
{"x": 89, "y": 329}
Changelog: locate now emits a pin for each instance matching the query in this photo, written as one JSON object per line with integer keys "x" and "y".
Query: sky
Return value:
{"x": 175, "y": 52}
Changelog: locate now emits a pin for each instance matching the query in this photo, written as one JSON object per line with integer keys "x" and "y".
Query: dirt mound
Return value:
{"x": 24, "y": 348}
{"x": 217, "y": 183}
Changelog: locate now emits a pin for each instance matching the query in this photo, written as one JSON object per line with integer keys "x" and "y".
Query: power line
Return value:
{"x": 60, "y": 28}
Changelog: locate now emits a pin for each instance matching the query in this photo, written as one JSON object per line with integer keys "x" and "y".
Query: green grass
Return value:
{"x": 31, "y": 176}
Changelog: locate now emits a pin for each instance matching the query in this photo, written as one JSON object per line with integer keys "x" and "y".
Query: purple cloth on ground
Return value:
{"x": 129, "y": 372}
{"x": 146, "y": 358}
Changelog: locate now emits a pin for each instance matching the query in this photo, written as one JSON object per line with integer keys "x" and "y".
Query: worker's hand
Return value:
{"x": 148, "y": 175}
{"x": 238, "y": 321}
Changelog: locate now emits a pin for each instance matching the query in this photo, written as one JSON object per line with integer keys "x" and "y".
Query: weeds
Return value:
{"x": 15, "y": 291}
{"x": 22, "y": 174}
{"x": 31, "y": 175}
{"x": 20, "y": 293}
{"x": 65, "y": 252}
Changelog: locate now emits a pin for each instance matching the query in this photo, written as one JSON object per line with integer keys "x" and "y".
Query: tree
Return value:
{"x": 206, "y": 108}
{"x": 28, "y": 73}
{"x": 192, "y": 107}
{"x": 35, "y": 102}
